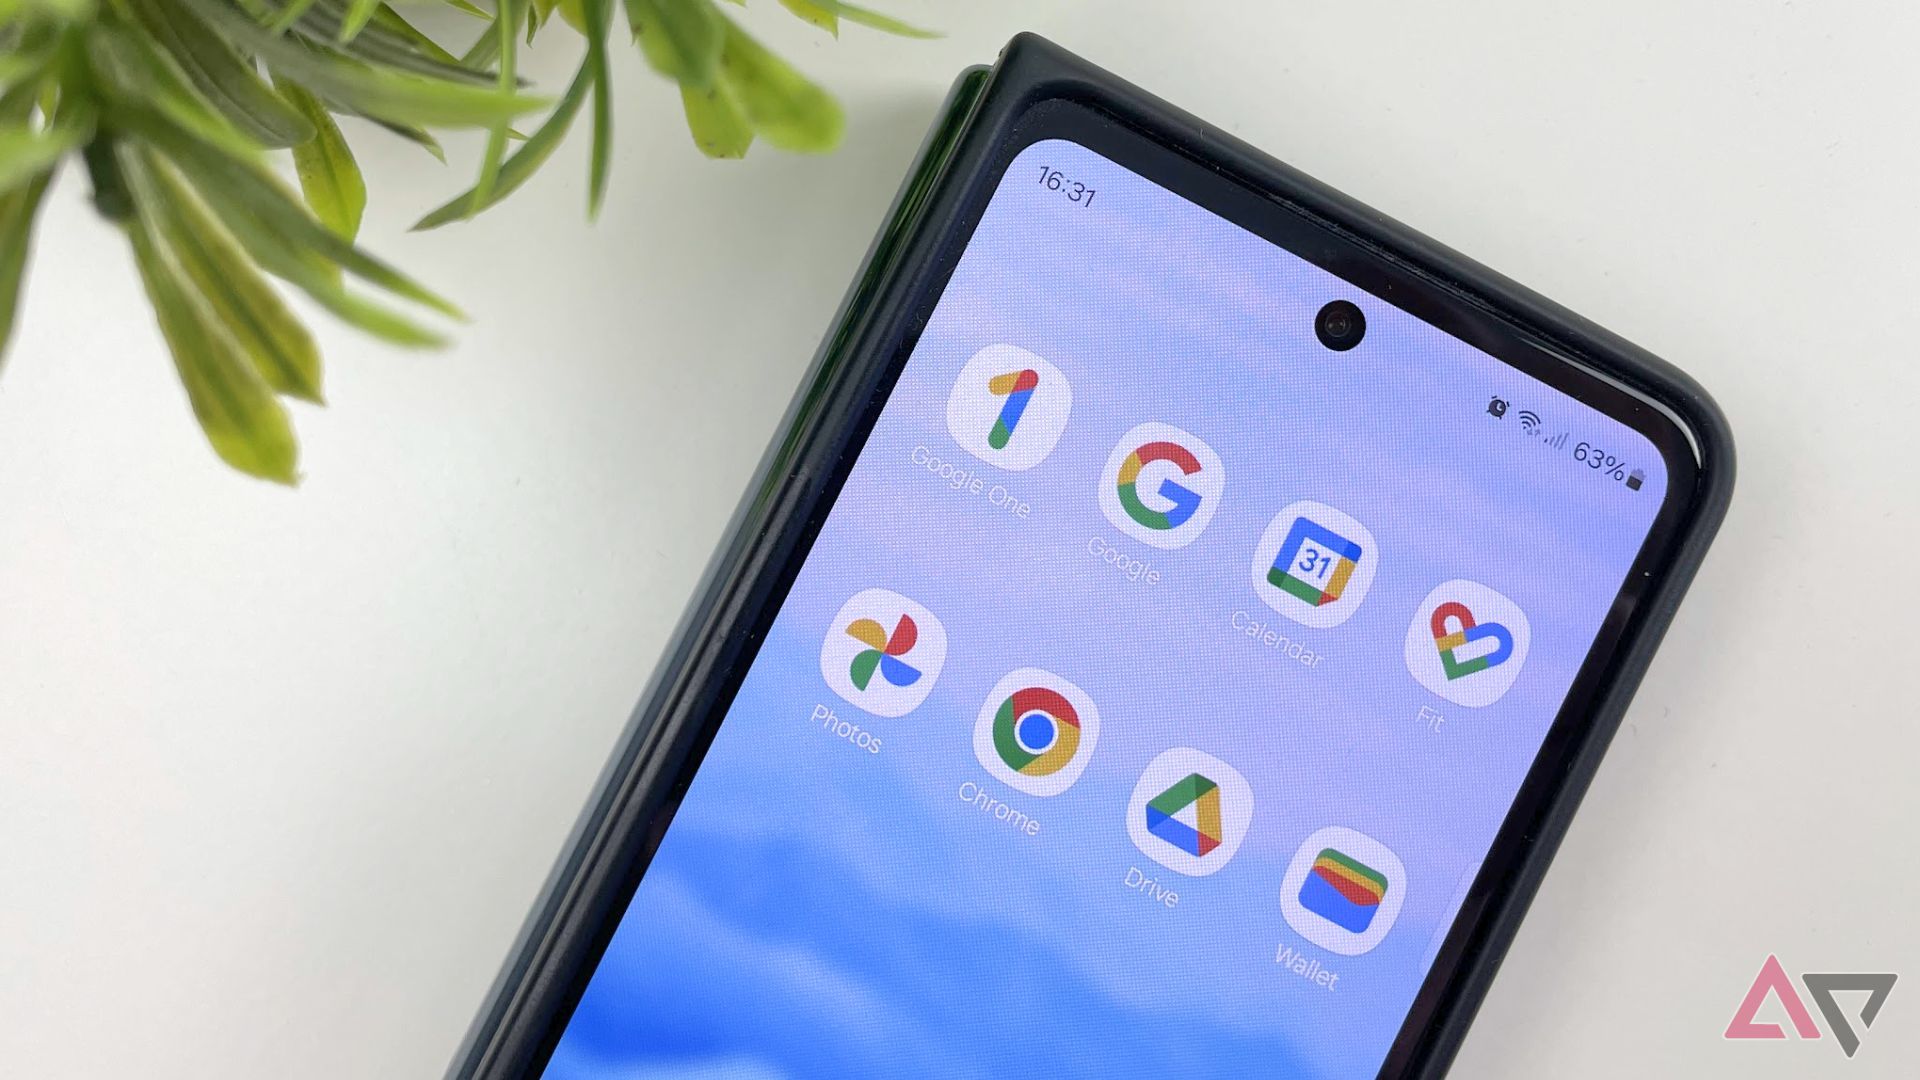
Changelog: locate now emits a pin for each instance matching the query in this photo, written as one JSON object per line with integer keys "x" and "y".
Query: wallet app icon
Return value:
{"x": 1343, "y": 890}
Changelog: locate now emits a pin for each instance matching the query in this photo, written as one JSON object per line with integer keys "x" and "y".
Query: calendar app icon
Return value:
{"x": 1314, "y": 564}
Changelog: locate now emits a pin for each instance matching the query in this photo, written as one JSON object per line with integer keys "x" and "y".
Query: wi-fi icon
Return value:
{"x": 1529, "y": 421}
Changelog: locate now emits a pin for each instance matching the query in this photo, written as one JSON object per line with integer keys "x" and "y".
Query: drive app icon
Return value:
{"x": 1190, "y": 811}
{"x": 883, "y": 653}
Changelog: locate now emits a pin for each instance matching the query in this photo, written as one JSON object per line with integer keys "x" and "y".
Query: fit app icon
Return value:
{"x": 1008, "y": 407}
{"x": 1036, "y": 732}
{"x": 1161, "y": 486}
{"x": 1343, "y": 890}
{"x": 1314, "y": 564}
{"x": 883, "y": 653}
{"x": 1189, "y": 812}
{"x": 1467, "y": 643}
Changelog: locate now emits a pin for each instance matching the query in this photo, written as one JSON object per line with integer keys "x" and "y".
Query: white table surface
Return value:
{"x": 280, "y": 771}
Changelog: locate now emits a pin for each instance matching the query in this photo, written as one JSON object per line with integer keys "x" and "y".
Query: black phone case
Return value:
{"x": 646, "y": 775}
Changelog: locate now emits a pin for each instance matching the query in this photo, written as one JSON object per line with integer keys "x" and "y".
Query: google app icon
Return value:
{"x": 1161, "y": 485}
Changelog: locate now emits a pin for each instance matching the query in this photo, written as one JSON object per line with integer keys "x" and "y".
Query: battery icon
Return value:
{"x": 1635, "y": 479}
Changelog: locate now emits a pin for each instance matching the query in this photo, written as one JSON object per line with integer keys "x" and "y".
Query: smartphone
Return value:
{"x": 1168, "y": 638}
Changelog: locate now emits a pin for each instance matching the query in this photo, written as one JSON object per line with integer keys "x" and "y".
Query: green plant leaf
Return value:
{"x": 258, "y": 320}
{"x": 418, "y": 136}
{"x": 402, "y": 97}
{"x": 242, "y": 420}
{"x": 110, "y": 198}
{"x": 387, "y": 41}
{"x": 131, "y": 69}
{"x": 853, "y": 13}
{"x": 18, "y": 209}
{"x": 22, "y": 64}
{"x": 814, "y": 14}
{"x": 225, "y": 80}
{"x": 720, "y": 129}
{"x": 681, "y": 39}
{"x": 18, "y": 102}
{"x": 482, "y": 51}
{"x": 72, "y": 11}
{"x": 574, "y": 12}
{"x": 26, "y": 154}
{"x": 371, "y": 50}
{"x": 785, "y": 108}
{"x": 329, "y": 177}
{"x": 599, "y": 17}
{"x": 286, "y": 17}
{"x": 359, "y": 14}
{"x": 390, "y": 21}
{"x": 525, "y": 162}
{"x": 507, "y": 20}
{"x": 238, "y": 187}
{"x": 320, "y": 280}
{"x": 384, "y": 323}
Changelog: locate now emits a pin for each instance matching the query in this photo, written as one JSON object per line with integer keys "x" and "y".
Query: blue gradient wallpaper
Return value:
{"x": 861, "y": 890}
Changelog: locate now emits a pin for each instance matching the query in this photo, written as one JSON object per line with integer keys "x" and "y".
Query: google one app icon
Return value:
{"x": 883, "y": 653}
{"x": 1036, "y": 732}
{"x": 1161, "y": 486}
{"x": 1190, "y": 811}
{"x": 1008, "y": 407}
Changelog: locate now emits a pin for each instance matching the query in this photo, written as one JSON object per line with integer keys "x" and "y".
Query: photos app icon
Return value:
{"x": 883, "y": 653}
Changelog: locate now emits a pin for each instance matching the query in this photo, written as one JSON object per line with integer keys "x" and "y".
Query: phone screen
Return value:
{"x": 1152, "y": 692}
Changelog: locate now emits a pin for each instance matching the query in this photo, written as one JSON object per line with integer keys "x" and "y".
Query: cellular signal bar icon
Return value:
{"x": 1558, "y": 442}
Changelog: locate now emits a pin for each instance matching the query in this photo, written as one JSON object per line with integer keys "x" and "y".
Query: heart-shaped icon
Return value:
{"x": 1464, "y": 629}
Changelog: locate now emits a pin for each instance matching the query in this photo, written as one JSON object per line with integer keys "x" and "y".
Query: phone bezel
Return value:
{"x": 1038, "y": 92}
